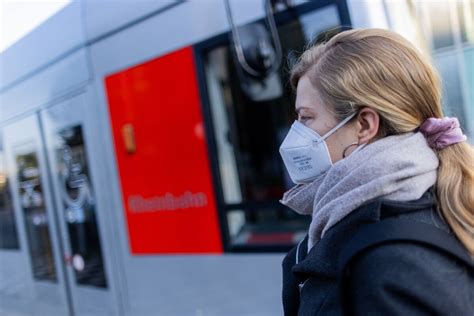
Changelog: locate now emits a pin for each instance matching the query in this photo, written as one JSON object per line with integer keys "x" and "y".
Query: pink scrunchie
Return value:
{"x": 442, "y": 132}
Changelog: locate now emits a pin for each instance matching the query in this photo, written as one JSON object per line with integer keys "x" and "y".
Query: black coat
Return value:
{"x": 397, "y": 278}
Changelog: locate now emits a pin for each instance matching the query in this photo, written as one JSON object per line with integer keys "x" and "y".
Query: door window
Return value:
{"x": 8, "y": 231}
{"x": 79, "y": 207}
{"x": 32, "y": 203}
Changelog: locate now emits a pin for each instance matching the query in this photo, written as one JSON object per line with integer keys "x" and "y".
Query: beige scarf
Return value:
{"x": 399, "y": 168}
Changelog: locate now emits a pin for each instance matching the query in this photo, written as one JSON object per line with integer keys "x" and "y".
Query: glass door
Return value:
{"x": 73, "y": 150}
{"x": 31, "y": 199}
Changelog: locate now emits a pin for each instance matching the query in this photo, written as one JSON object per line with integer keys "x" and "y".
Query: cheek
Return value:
{"x": 335, "y": 147}
{"x": 342, "y": 140}
{"x": 321, "y": 126}
{"x": 337, "y": 143}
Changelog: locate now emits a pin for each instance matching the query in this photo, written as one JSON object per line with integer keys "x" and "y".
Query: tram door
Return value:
{"x": 54, "y": 170}
{"x": 73, "y": 146}
{"x": 41, "y": 256}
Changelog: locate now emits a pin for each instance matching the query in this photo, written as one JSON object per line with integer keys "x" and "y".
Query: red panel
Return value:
{"x": 166, "y": 184}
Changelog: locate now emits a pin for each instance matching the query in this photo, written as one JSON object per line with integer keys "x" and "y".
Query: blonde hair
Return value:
{"x": 380, "y": 69}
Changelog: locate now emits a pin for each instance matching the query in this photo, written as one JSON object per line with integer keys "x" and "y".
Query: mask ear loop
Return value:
{"x": 335, "y": 128}
{"x": 344, "y": 152}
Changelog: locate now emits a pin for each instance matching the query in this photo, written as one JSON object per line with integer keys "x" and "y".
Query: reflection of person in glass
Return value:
{"x": 387, "y": 179}
{"x": 80, "y": 206}
{"x": 76, "y": 192}
{"x": 36, "y": 219}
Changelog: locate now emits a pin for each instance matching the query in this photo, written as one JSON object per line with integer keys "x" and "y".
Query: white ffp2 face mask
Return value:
{"x": 305, "y": 152}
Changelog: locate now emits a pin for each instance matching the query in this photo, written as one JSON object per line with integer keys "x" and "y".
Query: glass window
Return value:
{"x": 8, "y": 231}
{"x": 248, "y": 131}
{"x": 313, "y": 23}
{"x": 441, "y": 26}
{"x": 80, "y": 208}
{"x": 468, "y": 54}
{"x": 452, "y": 27}
{"x": 453, "y": 103}
{"x": 36, "y": 219}
{"x": 265, "y": 227}
{"x": 465, "y": 12}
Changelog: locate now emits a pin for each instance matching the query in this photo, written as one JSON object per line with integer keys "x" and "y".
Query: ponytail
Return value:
{"x": 455, "y": 191}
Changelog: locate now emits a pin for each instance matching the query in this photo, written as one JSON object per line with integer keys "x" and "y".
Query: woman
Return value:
{"x": 387, "y": 179}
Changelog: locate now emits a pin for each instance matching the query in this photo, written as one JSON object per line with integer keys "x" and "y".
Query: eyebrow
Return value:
{"x": 297, "y": 110}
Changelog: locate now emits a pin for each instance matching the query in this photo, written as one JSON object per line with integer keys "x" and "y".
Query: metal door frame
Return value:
{"x": 78, "y": 110}
{"x": 42, "y": 292}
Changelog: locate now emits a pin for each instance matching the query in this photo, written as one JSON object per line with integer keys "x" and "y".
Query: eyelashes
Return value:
{"x": 304, "y": 118}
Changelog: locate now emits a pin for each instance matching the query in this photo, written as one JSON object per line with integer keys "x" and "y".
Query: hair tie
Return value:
{"x": 442, "y": 132}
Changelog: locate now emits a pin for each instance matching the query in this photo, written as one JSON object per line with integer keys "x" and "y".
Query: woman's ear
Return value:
{"x": 369, "y": 122}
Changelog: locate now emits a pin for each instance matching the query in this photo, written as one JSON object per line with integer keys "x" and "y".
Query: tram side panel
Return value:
{"x": 157, "y": 280}
{"x": 170, "y": 251}
{"x": 176, "y": 264}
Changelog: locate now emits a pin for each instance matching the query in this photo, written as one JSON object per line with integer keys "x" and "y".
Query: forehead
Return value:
{"x": 307, "y": 97}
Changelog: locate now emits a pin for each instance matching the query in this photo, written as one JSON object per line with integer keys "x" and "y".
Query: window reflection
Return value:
{"x": 36, "y": 219}
{"x": 8, "y": 231}
{"x": 447, "y": 65}
{"x": 468, "y": 55}
{"x": 452, "y": 24}
{"x": 441, "y": 25}
{"x": 249, "y": 129}
{"x": 266, "y": 227}
{"x": 465, "y": 13}
{"x": 80, "y": 208}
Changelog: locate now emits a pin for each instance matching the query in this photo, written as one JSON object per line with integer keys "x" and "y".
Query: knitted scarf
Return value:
{"x": 399, "y": 168}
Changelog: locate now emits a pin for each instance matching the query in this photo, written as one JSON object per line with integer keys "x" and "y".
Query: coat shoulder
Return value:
{"x": 409, "y": 278}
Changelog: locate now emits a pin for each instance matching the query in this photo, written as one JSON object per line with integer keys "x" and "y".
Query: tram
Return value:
{"x": 139, "y": 165}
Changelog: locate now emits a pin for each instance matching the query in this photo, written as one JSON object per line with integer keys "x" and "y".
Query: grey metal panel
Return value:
{"x": 57, "y": 35}
{"x": 62, "y": 77}
{"x": 229, "y": 284}
{"x": 233, "y": 284}
{"x": 109, "y": 182}
{"x": 101, "y": 17}
{"x": 183, "y": 25}
{"x": 15, "y": 285}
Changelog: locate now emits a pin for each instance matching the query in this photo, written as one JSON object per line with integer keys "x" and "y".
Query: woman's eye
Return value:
{"x": 304, "y": 118}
